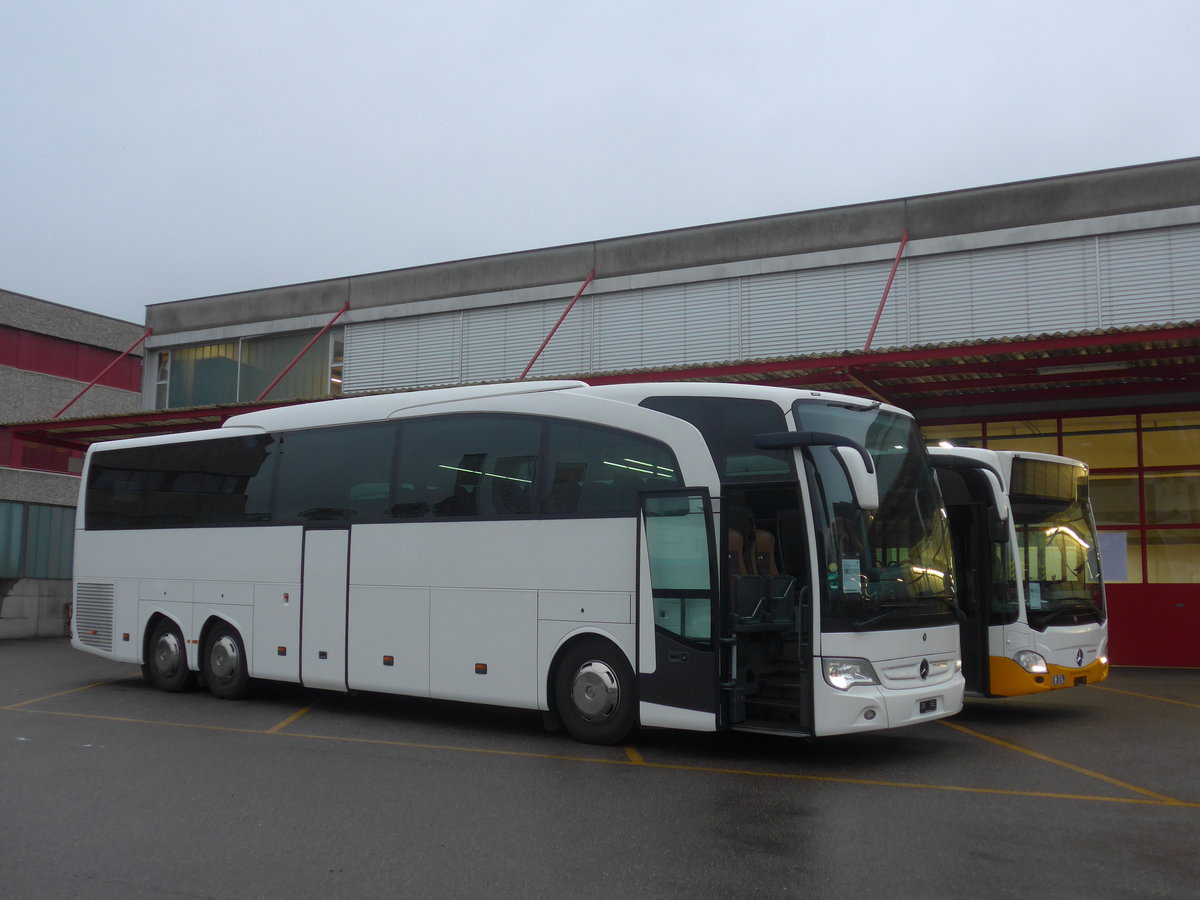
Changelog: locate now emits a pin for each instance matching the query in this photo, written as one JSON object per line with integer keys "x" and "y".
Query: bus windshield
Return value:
{"x": 1056, "y": 539}
{"x": 888, "y": 568}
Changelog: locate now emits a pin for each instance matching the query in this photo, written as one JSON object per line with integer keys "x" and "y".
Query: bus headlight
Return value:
{"x": 1031, "y": 662}
{"x": 843, "y": 673}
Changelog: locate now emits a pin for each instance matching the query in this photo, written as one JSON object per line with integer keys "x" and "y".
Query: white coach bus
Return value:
{"x": 700, "y": 557}
{"x": 1027, "y": 556}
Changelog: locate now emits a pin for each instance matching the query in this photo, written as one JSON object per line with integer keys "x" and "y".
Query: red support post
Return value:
{"x": 887, "y": 287}
{"x": 132, "y": 347}
{"x": 570, "y": 306}
{"x": 316, "y": 337}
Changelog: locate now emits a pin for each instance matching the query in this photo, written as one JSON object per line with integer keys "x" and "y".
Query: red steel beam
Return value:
{"x": 887, "y": 287}
{"x": 1019, "y": 397}
{"x": 570, "y": 306}
{"x": 307, "y": 347}
{"x": 1119, "y": 376}
{"x": 104, "y": 371}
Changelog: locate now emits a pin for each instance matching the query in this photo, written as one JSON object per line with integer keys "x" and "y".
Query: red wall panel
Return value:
{"x": 67, "y": 359}
{"x": 1154, "y": 624}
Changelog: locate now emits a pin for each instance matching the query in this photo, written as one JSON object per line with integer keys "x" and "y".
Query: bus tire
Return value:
{"x": 594, "y": 692}
{"x": 166, "y": 662}
{"x": 224, "y": 662}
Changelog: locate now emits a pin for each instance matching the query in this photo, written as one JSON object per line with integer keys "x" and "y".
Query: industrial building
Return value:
{"x": 1060, "y": 315}
{"x": 48, "y": 355}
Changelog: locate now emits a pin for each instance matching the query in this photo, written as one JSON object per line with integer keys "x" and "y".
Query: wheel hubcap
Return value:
{"x": 166, "y": 654}
{"x": 595, "y": 691}
{"x": 224, "y": 658}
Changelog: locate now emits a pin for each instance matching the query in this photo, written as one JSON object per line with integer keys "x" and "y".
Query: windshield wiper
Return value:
{"x": 952, "y": 606}
{"x": 863, "y": 623}
{"x": 1076, "y": 605}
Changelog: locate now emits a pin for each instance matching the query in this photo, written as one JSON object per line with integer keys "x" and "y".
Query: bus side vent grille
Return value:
{"x": 94, "y": 615}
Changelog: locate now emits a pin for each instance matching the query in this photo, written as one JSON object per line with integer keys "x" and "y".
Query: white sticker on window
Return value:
{"x": 851, "y": 576}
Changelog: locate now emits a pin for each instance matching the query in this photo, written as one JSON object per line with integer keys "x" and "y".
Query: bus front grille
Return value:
{"x": 94, "y": 615}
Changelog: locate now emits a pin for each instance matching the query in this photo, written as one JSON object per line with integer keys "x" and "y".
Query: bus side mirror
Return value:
{"x": 998, "y": 512}
{"x": 855, "y": 460}
{"x": 864, "y": 484}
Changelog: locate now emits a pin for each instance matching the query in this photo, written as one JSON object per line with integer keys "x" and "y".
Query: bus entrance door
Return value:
{"x": 677, "y": 611}
{"x": 323, "y": 592}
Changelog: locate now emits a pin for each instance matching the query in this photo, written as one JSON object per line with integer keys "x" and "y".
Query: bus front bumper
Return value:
{"x": 1008, "y": 679}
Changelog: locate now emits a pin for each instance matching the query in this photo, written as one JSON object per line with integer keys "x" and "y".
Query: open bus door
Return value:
{"x": 678, "y": 616}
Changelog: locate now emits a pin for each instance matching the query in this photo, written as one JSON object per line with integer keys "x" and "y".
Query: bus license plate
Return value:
{"x": 928, "y": 705}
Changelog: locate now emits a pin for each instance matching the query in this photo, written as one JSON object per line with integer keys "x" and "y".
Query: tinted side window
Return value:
{"x": 729, "y": 425}
{"x": 226, "y": 481}
{"x": 465, "y": 466}
{"x": 596, "y": 471}
{"x": 333, "y": 474}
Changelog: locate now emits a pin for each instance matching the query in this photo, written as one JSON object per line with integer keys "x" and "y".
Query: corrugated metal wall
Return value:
{"x": 1134, "y": 278}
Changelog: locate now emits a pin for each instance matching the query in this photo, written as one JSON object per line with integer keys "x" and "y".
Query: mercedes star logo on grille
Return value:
{"x": 923, "y": 671}
{"x": 1079, "y": 657}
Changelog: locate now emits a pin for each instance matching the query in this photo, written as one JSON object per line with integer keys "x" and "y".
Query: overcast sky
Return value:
{"x": 156, "y": 150}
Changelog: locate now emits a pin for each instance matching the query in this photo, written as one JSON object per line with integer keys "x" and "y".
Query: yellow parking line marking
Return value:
{"x": 86, "y": 687}
{"x": 634, "y": 756}
{"x": 279, "y": 726}
{"x": 128, "y": 721}
{"x": 1150, "y": 799}
{"x": 1153, "y": 800}
{"x": 1147, "y": 696}
{"x": 1161, "y": 798}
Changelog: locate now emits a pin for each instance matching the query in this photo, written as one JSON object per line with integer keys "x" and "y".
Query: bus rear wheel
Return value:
{"x": 224, "y": 662}
{"x": 166, "y": 663}
{"x": 594, "y": 692}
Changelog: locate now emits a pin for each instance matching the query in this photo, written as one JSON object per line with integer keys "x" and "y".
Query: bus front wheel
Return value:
{"x": 224, "y": 662}
{"x": 166, "y": 663}
{"x": 594, "y": 692}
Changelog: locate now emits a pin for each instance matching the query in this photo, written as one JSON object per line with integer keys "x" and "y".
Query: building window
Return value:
{"x": 1145, "y": 483}
{"x": 240, "y": 370}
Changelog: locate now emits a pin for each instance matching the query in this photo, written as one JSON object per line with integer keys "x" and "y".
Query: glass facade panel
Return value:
{"x": 36, "y": 540}
{"x": 1139, "y": 501}
{"x": 241, "y": 370}
{"x": 1173, "y": 556}
{"x": 12, "y": 538}
{"x": 51, "y": 540}
{"x": 1115, "y": 499}
{"x": 967, "y": 435}
{"x": 1103, "y": 442}
{"x": 202, "y": 376}
{"x": 1171, "y": 439}
{"x": 1038, "y": 435}
{"x": 1172, "y": 498}
{"x": 264, "y": 358}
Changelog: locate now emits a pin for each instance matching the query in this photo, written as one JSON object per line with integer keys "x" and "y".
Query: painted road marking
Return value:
{"x": 1147, "y": 696}
{"x": 86, "y": 687}
{"x": 279, "y": 726}
{"x": 1161, "y": 798}
{"x": 1148, "y": 799}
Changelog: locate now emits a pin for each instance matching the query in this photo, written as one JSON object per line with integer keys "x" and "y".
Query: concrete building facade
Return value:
{"x": 48, "y": 353}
